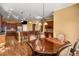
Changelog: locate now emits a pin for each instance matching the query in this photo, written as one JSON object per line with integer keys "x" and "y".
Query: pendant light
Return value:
{"x": 44, "y": 21}
{"x": 30, "y": 17}
{"x": 39, "y": 24}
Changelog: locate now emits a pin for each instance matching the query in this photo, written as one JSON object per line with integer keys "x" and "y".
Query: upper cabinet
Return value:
{"x": 50, "y": 25}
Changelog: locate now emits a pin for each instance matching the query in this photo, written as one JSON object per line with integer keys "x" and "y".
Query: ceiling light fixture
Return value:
{"x": 39, "y": 24}
{"x": 30, "y": 22}
{"x": 44, "y": 21}
{"x": 22, "y": 21}
{"x": 11, "y": 9}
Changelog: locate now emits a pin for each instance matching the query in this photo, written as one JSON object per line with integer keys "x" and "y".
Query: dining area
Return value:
{"x": 19, "y": 41}
{"x": 27, "y": 34}
{"x": 32, "y": 44}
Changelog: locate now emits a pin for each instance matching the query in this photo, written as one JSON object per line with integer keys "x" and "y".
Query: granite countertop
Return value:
{"x": 2, "y": 33}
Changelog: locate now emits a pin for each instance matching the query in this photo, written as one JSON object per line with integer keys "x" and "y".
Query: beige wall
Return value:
{"x": 66, "y": 21}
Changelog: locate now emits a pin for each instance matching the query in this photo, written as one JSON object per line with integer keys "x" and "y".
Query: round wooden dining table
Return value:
{"x": 43, "y": 47}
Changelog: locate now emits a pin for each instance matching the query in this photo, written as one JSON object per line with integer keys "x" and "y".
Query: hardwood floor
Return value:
{"x": 13, "y": 48}
{"x": 18, "y": 50}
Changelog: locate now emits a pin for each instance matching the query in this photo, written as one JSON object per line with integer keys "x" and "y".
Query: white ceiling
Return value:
{"x": 35, "y": 9}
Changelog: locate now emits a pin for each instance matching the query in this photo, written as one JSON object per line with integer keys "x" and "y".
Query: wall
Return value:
{"x": 66, "y": 21}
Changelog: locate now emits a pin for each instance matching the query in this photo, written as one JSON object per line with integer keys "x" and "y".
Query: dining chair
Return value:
{"x": 75, "y": 47}
{"x": 65, "y": 50}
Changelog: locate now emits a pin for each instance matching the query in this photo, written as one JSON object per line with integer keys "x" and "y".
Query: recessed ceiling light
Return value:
{"x": 30, "y": 22}
{"x": 11, "y": 9}
{"x": 22, "y": 21}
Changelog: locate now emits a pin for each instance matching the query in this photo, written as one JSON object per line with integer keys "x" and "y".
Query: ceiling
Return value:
{"x": 31, "y": 10}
